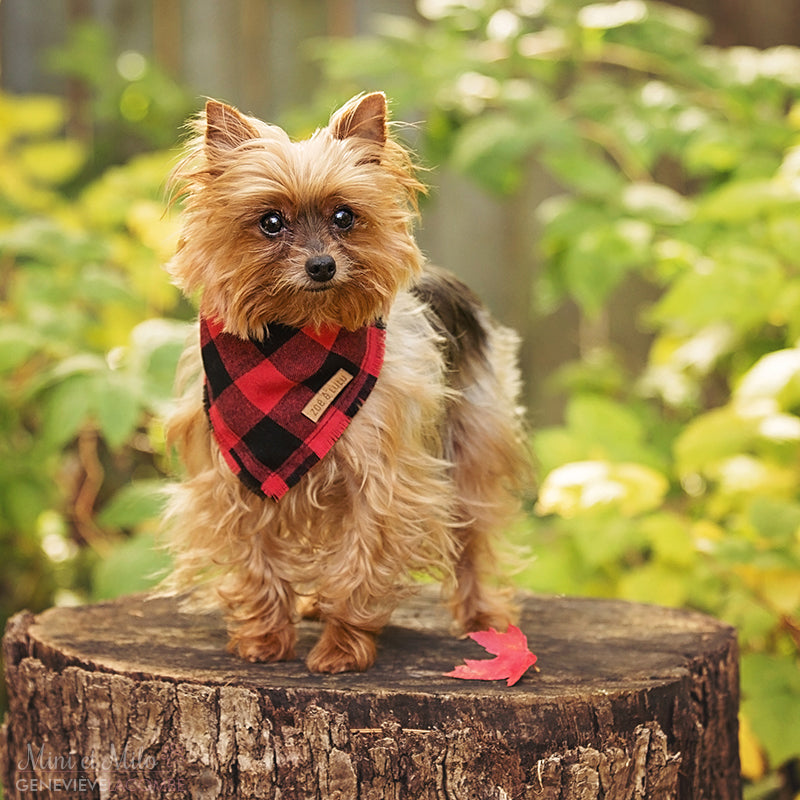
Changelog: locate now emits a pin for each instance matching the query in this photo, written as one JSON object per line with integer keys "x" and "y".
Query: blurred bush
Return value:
{"x": 122, "y": 103}
{"x": 679, "y": 165}
{"x": 89, "y": 331}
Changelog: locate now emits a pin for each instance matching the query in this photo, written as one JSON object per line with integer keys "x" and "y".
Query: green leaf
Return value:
{"x": 771, "y": 701}
{"x": 118, "y": 408}
{"x": 600, "y": 257}
{"x": 744, "y": 201}
{"x": 134, "y": 566}
{"x": 609, "y": 430}
{"x": 489, "y": 149}
{"x": 772, "y": 383}
{"x": 557, "y": 446}
{"x": 23, "y": 501}
{"x": 83, "y": 364}
{"x": 553, "y": 570}
{"x": 45, "y": 241}
{"x": 743, "y": 475}
{"x": 603, "y": 16}
{"x": 102, "y": 286}
{"x": 783, "y": 235}
{"x": 156, "y": 347}
{"x": 656, "y": 582}
{"x": 17, "y": 344}
{"x": 604, "y": 421}
{"x": 53, "y": 162}
{"x": 603, "y": 540}
{"x": 753, "y": 622}
{"x": 582, "y": 170}
{"x": 107, "y": 202}
{"x": 670, "y": 538}
{"x": 67, "y": 406}
{"x": 736, "y": 283}
{"x": 134, "y": 504}
{"x": 586, "y": 487}
{"x": 711, "y": 438}
{"x": 714, "y": 150}
{"x": 776, "y": 520}
{"x": 656, "y": 203}
{"x": 31, "y": 115}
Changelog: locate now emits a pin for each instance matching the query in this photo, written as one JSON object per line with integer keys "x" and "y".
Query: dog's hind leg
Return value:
{"x": 484, "y": 440}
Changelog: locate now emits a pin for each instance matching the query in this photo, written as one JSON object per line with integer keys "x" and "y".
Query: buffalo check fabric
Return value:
{"x": 278, "y": 405}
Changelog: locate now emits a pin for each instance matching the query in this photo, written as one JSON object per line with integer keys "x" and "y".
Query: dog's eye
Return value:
{"x": 272, "y": 223}
{"x": 343, "y": 218}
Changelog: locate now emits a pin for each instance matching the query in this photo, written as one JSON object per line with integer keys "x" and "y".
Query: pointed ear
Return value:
{"x": 226, "y": 128}
{"x": 363, "y": 116}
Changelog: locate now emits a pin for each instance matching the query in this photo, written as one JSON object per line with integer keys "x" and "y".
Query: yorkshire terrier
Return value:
{"x": 351, "y": 418}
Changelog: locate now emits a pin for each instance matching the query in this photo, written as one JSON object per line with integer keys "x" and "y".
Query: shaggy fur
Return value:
{"x": 428, "y": 469}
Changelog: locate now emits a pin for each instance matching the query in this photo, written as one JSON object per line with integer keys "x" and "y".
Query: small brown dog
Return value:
{"x": 352, "y": 416}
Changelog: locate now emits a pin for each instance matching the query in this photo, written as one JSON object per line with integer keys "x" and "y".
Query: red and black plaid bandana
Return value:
{"x": 277, "y": 406}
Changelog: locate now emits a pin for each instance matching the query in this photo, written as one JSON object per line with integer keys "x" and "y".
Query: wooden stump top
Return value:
{"x": 584, "y": 646}
{"x": 637, "y": 690}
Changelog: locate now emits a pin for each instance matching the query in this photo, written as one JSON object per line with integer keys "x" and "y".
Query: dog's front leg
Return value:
{"x": 357, "y": 594}
{"x": 261, "y": 610}
{"x": 343, "y": 647}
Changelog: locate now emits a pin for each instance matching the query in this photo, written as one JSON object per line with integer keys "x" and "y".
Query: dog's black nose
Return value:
{"x": 320, "y": 268}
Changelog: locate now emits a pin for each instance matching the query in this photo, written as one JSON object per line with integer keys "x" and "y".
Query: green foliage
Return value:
{"x": 130, "y": 104}
{"x": 86, "y": 359}
{"x": 678, "y": 163}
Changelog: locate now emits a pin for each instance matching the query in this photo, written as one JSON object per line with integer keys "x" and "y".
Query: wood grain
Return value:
{"x": 139, "y": 700}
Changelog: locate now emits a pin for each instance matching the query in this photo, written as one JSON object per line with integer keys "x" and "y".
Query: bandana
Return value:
{"x": 278, "y": 405}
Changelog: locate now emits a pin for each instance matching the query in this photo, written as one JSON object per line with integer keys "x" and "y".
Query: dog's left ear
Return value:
{"x": 363, "y": 116}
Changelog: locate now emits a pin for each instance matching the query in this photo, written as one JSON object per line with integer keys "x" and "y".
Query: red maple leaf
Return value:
{"x": 513, "y": 658}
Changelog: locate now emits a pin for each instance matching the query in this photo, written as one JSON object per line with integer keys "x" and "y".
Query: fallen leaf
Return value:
{"x": 513, "y": 658}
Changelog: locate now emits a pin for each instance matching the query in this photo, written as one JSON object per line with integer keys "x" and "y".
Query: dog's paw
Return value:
{"x": 273, "y": 646}
{"x": 499, "y": 620}
{"x": 486, "y": 612}
{"x": 342, "y": 649}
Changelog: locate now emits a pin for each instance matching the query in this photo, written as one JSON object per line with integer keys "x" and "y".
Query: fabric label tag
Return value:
{"x": 319, "y": 403}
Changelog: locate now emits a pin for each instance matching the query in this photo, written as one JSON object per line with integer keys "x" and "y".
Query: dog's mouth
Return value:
{"x": 317, "y": 287}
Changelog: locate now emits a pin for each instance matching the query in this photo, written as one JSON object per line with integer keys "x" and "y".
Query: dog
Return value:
{"x": 348, "y": 416}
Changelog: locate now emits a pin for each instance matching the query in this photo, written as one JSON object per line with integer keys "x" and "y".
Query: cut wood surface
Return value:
{"x": 135, "y": 699}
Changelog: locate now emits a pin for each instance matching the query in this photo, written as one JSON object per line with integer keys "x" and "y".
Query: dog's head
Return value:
{"x": 314, "y": 232}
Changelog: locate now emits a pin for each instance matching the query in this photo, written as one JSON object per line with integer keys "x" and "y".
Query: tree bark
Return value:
{"x": 135, "y": 699}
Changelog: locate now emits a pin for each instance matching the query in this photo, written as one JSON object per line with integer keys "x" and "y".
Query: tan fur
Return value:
{"x": 425, "y": 474}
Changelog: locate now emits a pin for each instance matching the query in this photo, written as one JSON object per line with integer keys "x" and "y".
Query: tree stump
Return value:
{"x": 134, "y": 699}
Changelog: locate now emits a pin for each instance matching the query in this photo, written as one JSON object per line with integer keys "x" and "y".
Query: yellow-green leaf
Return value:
{"x": 588, "y": 486}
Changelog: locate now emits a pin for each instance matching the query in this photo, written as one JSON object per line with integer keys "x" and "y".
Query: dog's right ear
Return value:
{"x": 226, "y": 128}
